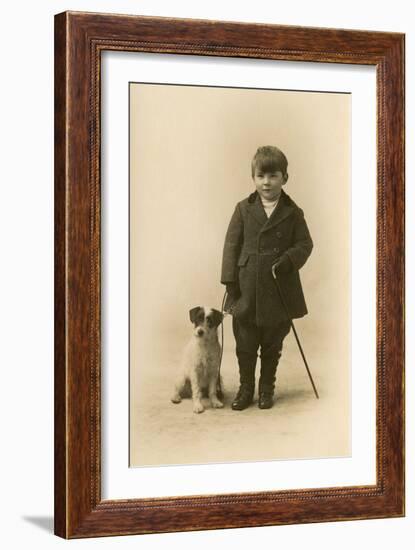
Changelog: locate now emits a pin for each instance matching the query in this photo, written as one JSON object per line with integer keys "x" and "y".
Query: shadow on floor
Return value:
{"x": 43, "y": 522}
{"x": 294, "y": 395}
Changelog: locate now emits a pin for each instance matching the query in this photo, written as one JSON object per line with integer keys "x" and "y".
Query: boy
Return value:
{"x": 267, "y": 236}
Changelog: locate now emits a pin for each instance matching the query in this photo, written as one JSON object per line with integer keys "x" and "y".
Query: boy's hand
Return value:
{"x": 282, "y": 265}
{"x": 233, "y": 290}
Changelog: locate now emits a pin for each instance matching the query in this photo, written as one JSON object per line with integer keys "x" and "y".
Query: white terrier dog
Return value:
{"x": 201, "y": 361}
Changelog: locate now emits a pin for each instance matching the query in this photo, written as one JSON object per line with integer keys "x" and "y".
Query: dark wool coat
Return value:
{"x": 253, "y": 244}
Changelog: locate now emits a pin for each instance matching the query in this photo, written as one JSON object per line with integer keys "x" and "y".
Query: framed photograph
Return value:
{"x": 229, "y": 275}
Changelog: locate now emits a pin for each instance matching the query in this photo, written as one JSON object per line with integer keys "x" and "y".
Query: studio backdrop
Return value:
{"x": 191, "y": 149}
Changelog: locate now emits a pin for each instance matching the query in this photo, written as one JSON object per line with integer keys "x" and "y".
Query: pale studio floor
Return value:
{"x": 298, "y": 426}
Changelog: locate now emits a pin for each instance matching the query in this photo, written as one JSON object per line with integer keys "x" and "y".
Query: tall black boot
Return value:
{"x": 266, "y": 397}
{"x": 267, "y": 379}
{"x": 245, "y": 395}
{"x": 271, "y": 349}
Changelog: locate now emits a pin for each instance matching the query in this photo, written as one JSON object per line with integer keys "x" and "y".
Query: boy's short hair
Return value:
{"x": 269, "y": 159}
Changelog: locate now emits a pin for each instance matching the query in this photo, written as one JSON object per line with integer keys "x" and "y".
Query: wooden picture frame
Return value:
{"x": 79, "y": 509}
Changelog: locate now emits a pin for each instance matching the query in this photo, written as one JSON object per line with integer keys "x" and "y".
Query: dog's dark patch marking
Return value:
{"x": 215, "y": 318}
{"x": 194, "y": 314}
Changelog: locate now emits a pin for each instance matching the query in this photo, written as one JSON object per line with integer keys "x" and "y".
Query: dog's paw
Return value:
{"x": 176, "y": 399}
{"x": 216, "y": 404}
{"x": 198, "y": 408}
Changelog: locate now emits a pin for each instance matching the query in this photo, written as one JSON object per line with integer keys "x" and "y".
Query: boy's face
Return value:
{"x": 269, "y": 184}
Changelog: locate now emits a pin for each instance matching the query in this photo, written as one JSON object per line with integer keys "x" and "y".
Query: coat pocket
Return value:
{"x": 243, "y": 259}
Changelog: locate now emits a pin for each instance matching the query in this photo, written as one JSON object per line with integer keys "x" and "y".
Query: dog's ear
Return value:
{"x": 193, "y": 313}
{"x": 217, "y": 317}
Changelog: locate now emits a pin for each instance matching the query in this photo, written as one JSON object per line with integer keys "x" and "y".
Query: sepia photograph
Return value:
{"x": 239, "y": 274}
{"x": 229, "y": 274}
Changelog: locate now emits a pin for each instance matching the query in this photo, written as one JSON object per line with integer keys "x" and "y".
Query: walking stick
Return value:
{"x": 295, "y": 332}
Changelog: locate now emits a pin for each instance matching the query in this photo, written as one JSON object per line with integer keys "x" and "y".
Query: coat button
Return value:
{"x": 279, "y": 234}
{"x": 276, "y": 249}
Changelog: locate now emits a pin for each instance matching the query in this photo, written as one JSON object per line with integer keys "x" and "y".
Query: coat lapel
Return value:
{"x": 282, "y": 211}
{"x": 256, "y": 210}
